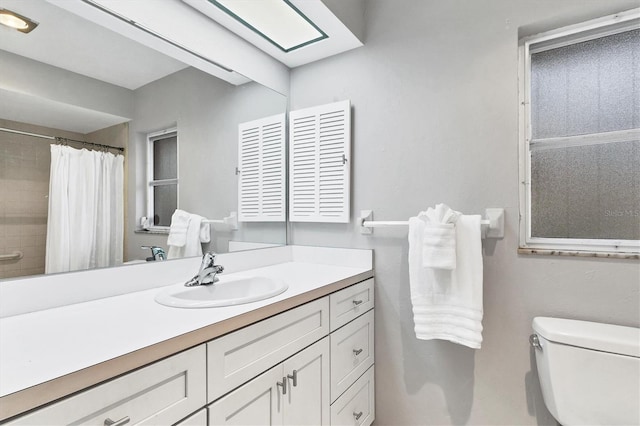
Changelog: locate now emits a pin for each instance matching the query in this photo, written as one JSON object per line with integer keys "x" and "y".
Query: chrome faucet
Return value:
{"x": 208, "y": 271}
{"x": 157, "y": 253}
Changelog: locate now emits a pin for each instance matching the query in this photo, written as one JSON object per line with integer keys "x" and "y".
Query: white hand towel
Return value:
{"x": 194, "y": 234}
{"x": 439, "y": 238}
{"x": 205, "y": 231}
{"x": 193, "y": 247}
{"x": 447, "y": 304}
{"x": 178, "y": 230}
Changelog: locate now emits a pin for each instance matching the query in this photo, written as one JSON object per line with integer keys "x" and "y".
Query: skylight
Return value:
{"x": 278, "y": 21}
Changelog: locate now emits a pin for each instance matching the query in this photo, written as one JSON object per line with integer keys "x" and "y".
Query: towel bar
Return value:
{"x": 228, "y": 223}
{"x": 492, "y": 226}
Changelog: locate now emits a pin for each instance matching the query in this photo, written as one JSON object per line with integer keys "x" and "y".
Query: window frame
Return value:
{"x": 151, "y": 183}
{"x": 565, "y": 36}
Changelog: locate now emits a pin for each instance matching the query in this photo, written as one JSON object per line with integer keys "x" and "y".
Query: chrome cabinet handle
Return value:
{"x": 356, "y": 302}
{"x": 283, "y": 384}
{"x": 357, "y": 352}
{"x": 294, "y": 377}
{"x": 357, "y": 415}
{"x": 122, "y": 421}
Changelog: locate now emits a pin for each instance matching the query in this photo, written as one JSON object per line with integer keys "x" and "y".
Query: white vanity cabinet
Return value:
{"x": 310, "y": 365}
{"x": 329, "y": 382}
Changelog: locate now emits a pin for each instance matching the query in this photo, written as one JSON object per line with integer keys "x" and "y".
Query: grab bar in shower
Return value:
{"x": 16, "y": 255}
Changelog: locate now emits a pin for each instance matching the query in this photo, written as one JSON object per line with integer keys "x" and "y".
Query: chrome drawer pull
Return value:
{"x": 283, "y": 384}
{"x": 357, "y": 415}
{"x": 357, "y": 352}
{"x": 357, "y": 302}
{"x": 122, "y": 421}
{"x": 294, "y": 377}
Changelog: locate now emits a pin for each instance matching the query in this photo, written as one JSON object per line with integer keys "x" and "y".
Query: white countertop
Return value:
{"x": 41, "y": 346}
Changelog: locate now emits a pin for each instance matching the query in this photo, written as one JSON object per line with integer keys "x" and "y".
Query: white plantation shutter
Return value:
{"x": 261, "y": 164}
{"x": 319, "y": 163}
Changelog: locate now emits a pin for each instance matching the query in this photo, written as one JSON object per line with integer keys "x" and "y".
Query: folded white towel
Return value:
{"x": 439, "y": 246}
{"x": 441, "y": 214}
{"x": 439, "y": 237}
{"x": 178, "y": 230}
{"x": 195, "y": 233}
{"x": 447, "y": 304}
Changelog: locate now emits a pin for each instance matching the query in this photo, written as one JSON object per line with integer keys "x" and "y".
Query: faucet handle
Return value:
{"x": 157, "y": 253}
{"x": 208, "y": 260}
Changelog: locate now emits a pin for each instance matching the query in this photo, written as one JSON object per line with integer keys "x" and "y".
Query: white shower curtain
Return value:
{"x": 85, "y": 228}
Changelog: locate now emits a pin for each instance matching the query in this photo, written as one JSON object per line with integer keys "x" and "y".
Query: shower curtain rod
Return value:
{"x": 59, "y": 139}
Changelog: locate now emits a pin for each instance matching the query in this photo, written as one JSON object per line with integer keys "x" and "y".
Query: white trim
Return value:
{"x": 578, "y": 253}
{"x": 591, "y": 245}
{"x": 584, "y": 140}
{"x": 523, "y": 146}
{"x": 549, "y": 40}
{"x": 584, "y": 31}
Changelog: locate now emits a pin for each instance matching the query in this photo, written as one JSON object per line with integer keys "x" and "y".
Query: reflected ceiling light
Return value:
{"x": 277, "y": 21}
{"x": 16, "y": 21}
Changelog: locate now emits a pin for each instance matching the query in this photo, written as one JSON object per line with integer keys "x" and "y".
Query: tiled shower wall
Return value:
{"x": 24, "y": 189}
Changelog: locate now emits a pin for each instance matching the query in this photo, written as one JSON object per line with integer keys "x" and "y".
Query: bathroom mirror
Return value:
{"x": 73, "y": 79}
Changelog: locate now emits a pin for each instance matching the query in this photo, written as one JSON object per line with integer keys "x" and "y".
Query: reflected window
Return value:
{"x": 581, "y": 138}
{"x": 162, "y": 172}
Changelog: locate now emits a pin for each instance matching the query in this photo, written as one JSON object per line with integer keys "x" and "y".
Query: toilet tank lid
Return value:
{"x": 592, "y": 335}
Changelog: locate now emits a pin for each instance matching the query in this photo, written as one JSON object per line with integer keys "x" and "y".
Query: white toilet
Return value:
{"x": 589, "y": 372}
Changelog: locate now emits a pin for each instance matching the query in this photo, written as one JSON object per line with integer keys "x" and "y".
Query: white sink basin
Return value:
{"x": 233, "y": 289}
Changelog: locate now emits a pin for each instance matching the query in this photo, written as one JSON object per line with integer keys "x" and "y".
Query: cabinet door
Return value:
{"x": 258, "y": 402}
{"x": 307, "y": 398}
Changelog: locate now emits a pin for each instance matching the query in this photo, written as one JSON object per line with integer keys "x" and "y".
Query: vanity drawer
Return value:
{"x": 239, "y": 356}
{"x": 357, "y": 405}
{"x": 161, "y": 393}
{"x": 352, "y": 353}
{"x": 350, "y": 303}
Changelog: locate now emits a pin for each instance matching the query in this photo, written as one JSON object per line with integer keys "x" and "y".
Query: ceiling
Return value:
{"x": 67, "y": 41}
{"x": 57, "y": 115}
{"x": 340, "y": 38}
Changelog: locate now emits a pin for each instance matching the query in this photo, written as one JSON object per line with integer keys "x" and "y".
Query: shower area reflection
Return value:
{"x": 25, "y": 163}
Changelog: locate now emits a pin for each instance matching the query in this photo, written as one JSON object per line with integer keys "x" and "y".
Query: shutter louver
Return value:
{"x": 319, "y": 166}
{"x": 261, "y": 183}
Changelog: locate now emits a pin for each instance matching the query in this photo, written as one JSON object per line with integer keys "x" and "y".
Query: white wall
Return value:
{"x": 37, "y": 79}
{"x": 207, "y": 112}
{"x": 434, "y": 95}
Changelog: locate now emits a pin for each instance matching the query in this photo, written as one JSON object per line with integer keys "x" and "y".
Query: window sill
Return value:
{"x": 160, "y": 231}
{"x": 576, "y": 253}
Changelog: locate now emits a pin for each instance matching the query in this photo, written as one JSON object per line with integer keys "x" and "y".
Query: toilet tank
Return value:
{"x": 589, "y": 372}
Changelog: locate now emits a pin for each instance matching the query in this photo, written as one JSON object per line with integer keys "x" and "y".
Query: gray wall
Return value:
{"x": 434, "y": 94}
{"x": 207, "y": 112}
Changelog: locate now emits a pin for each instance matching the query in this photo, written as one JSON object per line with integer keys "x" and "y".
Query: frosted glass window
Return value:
{"x": 581, "y": 162}
{"x": 165, "y": 201}
{"x": 165, "y": 154}
{"x": 162, "y": 193}
{"x": 588, "y": 87}
{"x": 590, "y": 192}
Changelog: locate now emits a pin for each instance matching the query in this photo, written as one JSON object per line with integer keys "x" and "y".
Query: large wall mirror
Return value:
{"x": 77, "y": 81}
